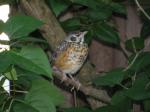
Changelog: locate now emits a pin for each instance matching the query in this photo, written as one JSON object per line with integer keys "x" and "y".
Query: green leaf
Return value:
{"x": 2, "y": 80}
{"x": 20, "y": 26}
{"x": 146, "y": 105}
{"x": 119, "y": 97}
{"x": 45, "y": 92}
{"x": 135, "y": 43}
{"x": 140, "y": 90}
{"x": 34, "y": 59}
{"x": 142, "y": 61}
{"x": 78, "y": 109}
{"x": 11, "y": 75}
{"x": 88, "y": 37}
{"x": 111, "y": 78}
{"x": 1, "y": 26}
{"x": 93, "y": 4}
{"x": 23, "y": 107}
{"x": 3, "y": 96}
{"x": 118, "y": 8}
{"x": 71, "y": 24}
{"x": 145, "y": 32}
{"x": 58, "y": 6}
{"x": 5, "y": 61}
{"x": 102, "y": 14}
{"x": 106, "y": 33}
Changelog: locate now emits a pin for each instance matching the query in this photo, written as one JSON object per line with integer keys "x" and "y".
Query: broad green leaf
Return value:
{"x": 146, "y": 105}
{"x": 145, "y": 31}
{"x": 101, "y": 14}
{"x": 20, "y": 26}
{"x": 45, "y": 92}
{"x": 11, "y": 75}
{"x": 119, "y": 97}
{"x": 58, "y": 6}
{"x": 71, "y": 24}
{"x": 34, "y": 59}
{"x": 111, "y": 78}
{"x": 5, "y": 61}
{"x": 142, "y": 61}
{"x": 140, "y": 89}
{"x": 1, "y": 26}
{"x": 135, "y": 43}
{"x": 106, "y": 33}
{"x": 78, "y": 109}
{"x": 23, "y": 107}
{"x": 118, "y": 8}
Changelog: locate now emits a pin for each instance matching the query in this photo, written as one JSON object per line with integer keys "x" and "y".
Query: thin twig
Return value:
{"x": 122, "y": 45}
{"x": 17, "y": 91}
{"x": 142, "y": 10}
{"x": 10, "y": 105}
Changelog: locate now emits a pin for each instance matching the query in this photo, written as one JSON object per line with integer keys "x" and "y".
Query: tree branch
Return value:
{"x": 87, "y": 90}
{"x": 51, "y": 30}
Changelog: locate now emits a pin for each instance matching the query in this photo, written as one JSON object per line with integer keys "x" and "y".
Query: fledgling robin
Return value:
{"x": 70, "y": 54}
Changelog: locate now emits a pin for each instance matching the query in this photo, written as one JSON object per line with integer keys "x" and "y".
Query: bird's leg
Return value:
{"x": 56, "y": 69}
{"x": 72, "y": 78}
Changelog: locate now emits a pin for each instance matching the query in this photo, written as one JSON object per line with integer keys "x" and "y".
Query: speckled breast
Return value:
{"x": 72, "y": 57}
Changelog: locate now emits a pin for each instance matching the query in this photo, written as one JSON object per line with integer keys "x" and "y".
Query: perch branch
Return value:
{"x": 87, "y": 90}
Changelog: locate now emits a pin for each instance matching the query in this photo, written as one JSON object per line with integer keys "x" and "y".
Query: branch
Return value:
{"x": 87, "y": 90}
{"x": 51, "y": 30}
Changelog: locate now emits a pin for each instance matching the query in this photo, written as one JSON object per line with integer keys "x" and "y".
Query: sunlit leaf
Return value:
{"x": 45, "y": 92}
{"x": 20, "y": 26}
{"x": 34, "y": 59}
{"x": 11, "y": 75}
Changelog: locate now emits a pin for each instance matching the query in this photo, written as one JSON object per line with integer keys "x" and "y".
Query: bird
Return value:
{"x": 70, "y": 54}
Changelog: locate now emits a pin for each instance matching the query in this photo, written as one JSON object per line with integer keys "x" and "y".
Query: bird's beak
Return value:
{"x": 82, "y": 34}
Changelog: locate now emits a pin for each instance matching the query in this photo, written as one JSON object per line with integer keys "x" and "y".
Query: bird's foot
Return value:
{"x": 75, "y": 81}
{"x": 64, "y": 77}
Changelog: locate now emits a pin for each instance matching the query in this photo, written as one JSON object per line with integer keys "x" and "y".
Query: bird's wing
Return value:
{"x": 59, "y": 50}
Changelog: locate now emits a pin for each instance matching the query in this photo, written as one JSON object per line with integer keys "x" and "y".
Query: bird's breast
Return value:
{"x": 72, "y": 58}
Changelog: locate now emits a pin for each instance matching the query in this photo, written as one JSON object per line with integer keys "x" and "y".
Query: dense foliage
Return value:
{"x": 27, "y": 66}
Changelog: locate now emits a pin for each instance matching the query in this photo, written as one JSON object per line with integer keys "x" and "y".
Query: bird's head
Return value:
{"x": 77, "y": 37}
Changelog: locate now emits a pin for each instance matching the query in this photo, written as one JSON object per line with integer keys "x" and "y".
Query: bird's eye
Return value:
{"x": 73, "y": 38}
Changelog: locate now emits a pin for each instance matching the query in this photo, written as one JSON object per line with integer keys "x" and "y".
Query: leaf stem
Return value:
{"x": 18, "y": 91}
{"x": 142, "y": 10}
{"x": 123, "y": 86}
{"x": 10, "y": 105}
{"x": 129, "y": 66}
